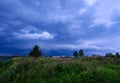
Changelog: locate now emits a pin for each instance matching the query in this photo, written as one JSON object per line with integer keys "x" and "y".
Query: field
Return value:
{"x": 60, "y": 70}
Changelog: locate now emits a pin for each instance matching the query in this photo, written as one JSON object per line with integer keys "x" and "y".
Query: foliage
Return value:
{"x": 117, "y": 55}
{"x": 35, "y": 52}
{"x": 109, "y": 55}
{"x": 60, "y": 70}
{"x": 81, "y": 53}
{"x": 75, "y": 54}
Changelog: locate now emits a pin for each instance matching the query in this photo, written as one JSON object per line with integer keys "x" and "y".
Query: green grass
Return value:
{"x": 66, "y": 70}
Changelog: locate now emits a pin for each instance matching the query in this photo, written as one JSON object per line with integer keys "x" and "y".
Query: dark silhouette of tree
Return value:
{"x": 117, "y": 55}
{"x": 35, "y": 52}
{"x": 109, "y": 55}
{"x": 75, "y": 54}
{"x": 81, "y": 53}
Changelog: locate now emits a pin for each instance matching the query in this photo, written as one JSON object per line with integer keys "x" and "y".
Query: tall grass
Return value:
{"x": 66, "y": 70}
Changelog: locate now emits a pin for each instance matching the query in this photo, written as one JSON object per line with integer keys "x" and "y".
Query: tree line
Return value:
{"x": 36, "y": 52}
{"x": 78, "y": 54}
{"x": 117, "y": 55}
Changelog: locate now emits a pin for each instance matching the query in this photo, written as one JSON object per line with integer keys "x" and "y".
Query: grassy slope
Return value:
{"x": 83, "y": 70}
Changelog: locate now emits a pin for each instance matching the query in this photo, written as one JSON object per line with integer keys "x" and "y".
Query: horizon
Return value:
{"x": 91, "y": 25}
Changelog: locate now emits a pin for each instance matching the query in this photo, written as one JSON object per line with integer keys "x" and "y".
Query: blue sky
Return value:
{"x": 60, "y": 24}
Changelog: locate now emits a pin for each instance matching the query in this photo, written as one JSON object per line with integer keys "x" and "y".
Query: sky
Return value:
{"x": 59, "y": 24}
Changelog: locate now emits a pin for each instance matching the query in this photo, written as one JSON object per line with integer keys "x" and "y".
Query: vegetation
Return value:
{"x": 35, "y": 69}
{"x": 75, "y": 54}
{"x": 35, "y": 52}
{"x": 81, "y": 53}
{"x": 60, "y": 70}
{"x": 117, "y": 55}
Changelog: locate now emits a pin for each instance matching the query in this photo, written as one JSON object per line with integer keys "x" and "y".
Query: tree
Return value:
{"x": 81, "y": 53}
{"x": 109, "y": 55}
{"x": 35, "y": 52}
{"x": 75, "y": 54}
{"x": 117, "y": 55}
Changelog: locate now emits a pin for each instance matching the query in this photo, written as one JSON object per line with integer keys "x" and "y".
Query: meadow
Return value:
{"x": 60, "y": 70}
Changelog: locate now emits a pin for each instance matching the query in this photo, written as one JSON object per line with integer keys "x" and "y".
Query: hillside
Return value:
{"x": 60, "y": 70}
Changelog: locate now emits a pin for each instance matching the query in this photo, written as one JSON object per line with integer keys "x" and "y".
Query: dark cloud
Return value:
{"x": 56, "y": 24}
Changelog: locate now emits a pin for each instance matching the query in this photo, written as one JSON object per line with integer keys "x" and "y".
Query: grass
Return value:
{"x": 65, "y": 70}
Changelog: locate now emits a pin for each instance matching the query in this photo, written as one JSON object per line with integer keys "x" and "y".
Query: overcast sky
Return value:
{"x": 64, "y": 24}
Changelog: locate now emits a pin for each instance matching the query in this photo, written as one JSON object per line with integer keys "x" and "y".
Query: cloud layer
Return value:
{"x": 71, "y": 24}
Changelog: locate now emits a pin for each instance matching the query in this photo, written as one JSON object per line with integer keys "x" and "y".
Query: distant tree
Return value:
{"x": 106, "y": 55}
{"x": 109, "y": 55}
{"x": 35, "y": 52}
{"x": 75, "y": 54}
{"x": 117, "y": 55}
{"x": 81, "y": 53}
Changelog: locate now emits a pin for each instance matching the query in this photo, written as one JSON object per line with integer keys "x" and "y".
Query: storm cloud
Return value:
{"x": 64, "y": 24}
